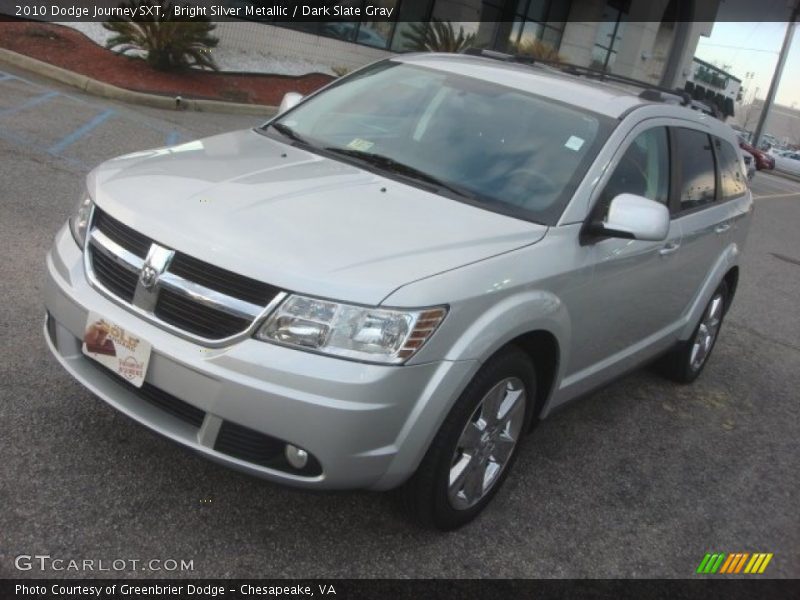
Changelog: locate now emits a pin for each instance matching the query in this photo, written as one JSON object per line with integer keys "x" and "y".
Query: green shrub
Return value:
{"x": 168, "y": 44}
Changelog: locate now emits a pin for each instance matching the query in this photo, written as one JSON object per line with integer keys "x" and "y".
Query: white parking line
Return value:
{"x": 786, "y": 195}
{"x": 782, "y": 183}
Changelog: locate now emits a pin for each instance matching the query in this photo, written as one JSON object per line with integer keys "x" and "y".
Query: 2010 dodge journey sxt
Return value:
{"x": 388, "y": 283}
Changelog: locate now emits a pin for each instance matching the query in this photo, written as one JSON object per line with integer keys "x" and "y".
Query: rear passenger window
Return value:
{"x": 732, "y": 179}
{"x": 643, "y": 170}
{"x": 698, "y": 181}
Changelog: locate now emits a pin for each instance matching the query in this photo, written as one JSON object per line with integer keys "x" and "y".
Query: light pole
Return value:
{"x": 750, "y": 108}
{"x": 776, "y": 78}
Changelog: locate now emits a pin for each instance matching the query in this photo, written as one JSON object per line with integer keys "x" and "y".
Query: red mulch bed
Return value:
{"x": 70, "y": 49}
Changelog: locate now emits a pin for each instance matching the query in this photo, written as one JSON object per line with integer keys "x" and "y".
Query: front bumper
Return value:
{"x": 367, "y": 425}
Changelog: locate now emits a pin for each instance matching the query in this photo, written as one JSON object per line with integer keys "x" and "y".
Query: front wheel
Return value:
{"x": 476, "y": 445}
{"x": 685, "y": 363}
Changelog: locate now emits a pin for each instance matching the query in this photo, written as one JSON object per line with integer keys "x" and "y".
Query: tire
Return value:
{"x": 469, "y": 439}
{"x": 688, "y": 359}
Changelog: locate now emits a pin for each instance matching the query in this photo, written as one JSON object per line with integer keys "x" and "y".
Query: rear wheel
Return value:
{"x": 685, "y": 363}
{"x": 476, "y": 445}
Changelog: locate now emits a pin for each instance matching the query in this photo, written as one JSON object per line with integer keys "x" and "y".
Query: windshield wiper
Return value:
{"x": 389, "y": 164}
{"x": 290, "y": 133}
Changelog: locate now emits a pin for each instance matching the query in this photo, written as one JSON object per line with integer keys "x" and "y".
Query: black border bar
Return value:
{"x": 707, "y": 588}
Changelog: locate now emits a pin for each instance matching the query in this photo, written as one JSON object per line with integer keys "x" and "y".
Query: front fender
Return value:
{"x": 509, "y": 318}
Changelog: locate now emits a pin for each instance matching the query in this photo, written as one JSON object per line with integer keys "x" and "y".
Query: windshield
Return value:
{"x": 500, "y": 148}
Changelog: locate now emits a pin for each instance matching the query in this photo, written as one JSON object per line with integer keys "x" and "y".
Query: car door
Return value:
{"x": 699, "y": 207}
{"x": 631, "y": 298}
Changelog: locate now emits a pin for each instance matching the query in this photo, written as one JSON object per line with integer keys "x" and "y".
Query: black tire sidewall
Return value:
{"x": 511, "y": 363}
{"x": 688, "y": 374}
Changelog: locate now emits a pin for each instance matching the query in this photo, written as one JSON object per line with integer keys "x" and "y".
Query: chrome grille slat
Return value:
{"x": 221, "y": 280}
{"x": 123, "y": 235}
{"x": 121, "y": 281}
{"x": 195, "y": 318}
{"x": 115, "y": 252}
{"x": 198, "y": 301}
{"x": 211, "y": 298}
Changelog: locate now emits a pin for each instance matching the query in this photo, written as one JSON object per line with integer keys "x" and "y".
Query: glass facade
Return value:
{"x": 505, "y": 25}
{"x": 609, "y": 34}
{"x": 537, "y": 20}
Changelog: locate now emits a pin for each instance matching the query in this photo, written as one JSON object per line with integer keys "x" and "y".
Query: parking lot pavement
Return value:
{"x": 640, "y": 479}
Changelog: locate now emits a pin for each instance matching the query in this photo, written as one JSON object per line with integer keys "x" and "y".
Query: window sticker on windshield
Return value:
{"x": 360, "y": 145}
{"x": 574, "y": 143}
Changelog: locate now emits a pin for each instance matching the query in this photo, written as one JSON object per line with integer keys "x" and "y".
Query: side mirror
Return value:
{"x": 290, "y": 100}
{"x": 635, "y": 217}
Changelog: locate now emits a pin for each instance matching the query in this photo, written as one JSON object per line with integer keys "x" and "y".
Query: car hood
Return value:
{"x": 245, "y": 202}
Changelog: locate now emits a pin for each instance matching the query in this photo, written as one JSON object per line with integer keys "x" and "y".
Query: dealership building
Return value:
{"x": 650, "y": 40}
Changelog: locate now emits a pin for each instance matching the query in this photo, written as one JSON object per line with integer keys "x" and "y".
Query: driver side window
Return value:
{"x": 643, "y": 170}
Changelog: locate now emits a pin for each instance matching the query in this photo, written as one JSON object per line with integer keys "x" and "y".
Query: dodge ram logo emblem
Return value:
{"x": 146, "y": 294}
{"x": 148, "y": 276}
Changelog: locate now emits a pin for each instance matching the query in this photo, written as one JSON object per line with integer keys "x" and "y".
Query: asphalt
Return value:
{"x": 640, "y": 479}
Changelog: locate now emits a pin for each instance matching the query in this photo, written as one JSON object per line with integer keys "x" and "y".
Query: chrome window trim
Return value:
{"x": 199, "y": 293}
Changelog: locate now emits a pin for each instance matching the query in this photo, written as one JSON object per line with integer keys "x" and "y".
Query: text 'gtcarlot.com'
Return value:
{"x": 46, "y": 562}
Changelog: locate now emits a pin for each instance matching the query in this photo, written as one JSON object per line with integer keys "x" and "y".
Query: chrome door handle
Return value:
{"x": 669, "y": 248}
{"x": 722, "y": 228}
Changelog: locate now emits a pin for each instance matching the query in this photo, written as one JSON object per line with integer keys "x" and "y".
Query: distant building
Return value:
{"x": 650, "y": 40}
{"x": 782, "y": 126}
{"x": 714, "y": 86}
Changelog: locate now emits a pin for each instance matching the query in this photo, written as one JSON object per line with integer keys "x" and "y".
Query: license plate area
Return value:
{"x": 116, "y": 348}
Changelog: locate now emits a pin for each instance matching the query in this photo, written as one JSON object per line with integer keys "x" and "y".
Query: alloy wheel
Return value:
{"x": 707, "y": 332}
{"x": 487, "y": 443}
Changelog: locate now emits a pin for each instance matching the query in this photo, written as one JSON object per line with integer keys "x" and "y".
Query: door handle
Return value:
{"x": 722, "y": 228}
{"x": 669, "y": 248}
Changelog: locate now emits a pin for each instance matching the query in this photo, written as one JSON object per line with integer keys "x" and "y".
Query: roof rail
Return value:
{"x": 651, "y": 92}
{"x": 496, "y": 55}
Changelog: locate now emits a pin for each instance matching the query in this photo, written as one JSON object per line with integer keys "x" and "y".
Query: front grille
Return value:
{"x": 159, "y": 398}
{"x": 250, "y": 445}
{"x": 222, "y": 280}
{"x": 227, "y": 306}
{"x": 115, "y": 277}
{"x": 126, "y": 237}
{"x": 197, "y": 318}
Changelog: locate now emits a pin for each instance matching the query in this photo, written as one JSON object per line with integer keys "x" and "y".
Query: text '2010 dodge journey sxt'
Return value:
{"x": 387, "y": 284}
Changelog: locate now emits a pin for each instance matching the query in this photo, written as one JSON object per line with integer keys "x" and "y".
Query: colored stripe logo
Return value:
{"x": 736, "y": 562}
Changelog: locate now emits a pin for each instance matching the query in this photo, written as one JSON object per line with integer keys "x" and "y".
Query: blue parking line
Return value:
{"x": 4, "y": 76}
{"x": 172, "y": 138}
{"x": 81, "y": 131}
{"x": 14, "y": 138}
{"x": 35, "y": 101}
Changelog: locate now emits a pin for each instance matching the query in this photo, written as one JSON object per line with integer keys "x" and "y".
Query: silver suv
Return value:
{"x": 390, "y": 282}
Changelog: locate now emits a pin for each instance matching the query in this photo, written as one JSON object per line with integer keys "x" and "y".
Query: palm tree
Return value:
{"x": 168, "y": 44}
{"x": 437, "y": 36}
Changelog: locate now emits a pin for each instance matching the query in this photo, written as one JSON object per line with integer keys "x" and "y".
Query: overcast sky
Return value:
{"x": 753, "y": 47}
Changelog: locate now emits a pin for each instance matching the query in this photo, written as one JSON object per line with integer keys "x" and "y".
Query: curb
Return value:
{"x": 107, "y": 90}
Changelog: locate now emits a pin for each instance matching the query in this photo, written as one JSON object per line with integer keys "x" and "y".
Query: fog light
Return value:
{"x": 297, "y": 457}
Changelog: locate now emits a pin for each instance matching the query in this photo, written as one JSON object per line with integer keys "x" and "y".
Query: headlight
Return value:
{"x": 360, "y": 333}
{"x": 79, "y": 221}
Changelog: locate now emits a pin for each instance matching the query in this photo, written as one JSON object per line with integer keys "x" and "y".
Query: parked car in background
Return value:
{"x": 788, "y": 162}
{"x": 763, "y": 159}
{"x": 750, "y": 165}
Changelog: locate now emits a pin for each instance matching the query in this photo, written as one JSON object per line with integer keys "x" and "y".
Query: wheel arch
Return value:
{"x": 542, "y": 348}
{"x": 731, "y": 278}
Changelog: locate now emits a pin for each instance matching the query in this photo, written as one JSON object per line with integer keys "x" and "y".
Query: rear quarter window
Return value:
{"x": 698, "y": 185}
{"x": 732, "y": 178}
